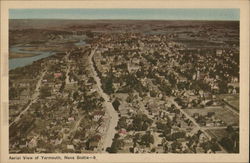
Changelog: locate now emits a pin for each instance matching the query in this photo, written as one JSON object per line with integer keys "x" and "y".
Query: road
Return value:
{"x": 33, "y": 98}
{"x": 228, "y": 107}
{"x": 68, "y": 67}
{"x": 73, "y": 129}
{"x": 113, "y": 115}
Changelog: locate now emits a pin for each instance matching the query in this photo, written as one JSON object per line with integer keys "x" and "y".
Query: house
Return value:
{"x": 209, "y": 124}
{"x": 200, "y": 150}
{"x": 132, "y": 67}
{"x": 97, "y": 115}
{"x": 136, "y": 150}
{"x": 25, "y": 94}
{"x": 159, "y": 149}
{"x": 235, "y": 80}
{"x": 70, "y": 147}
{"x": 57, "y": 75}
{"x": 45, "y": 81}
{"x": 23, "y": 144}
{"x": 70, "y": 119}
{"x": 234, "y": 91}
{"x": 181, "y": 79}
{"x": 219, "y": 51}
{"x": 123, "y": 131}
{"x": 58, "y": 141}
{"x": 32, "y": 143}
{"x": 41, "y": 150}
{"x": 93, "y": 145}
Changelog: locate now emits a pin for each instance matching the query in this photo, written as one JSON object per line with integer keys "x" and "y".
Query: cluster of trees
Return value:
{"x": 45, "y": 92}
{"x": 90, "y": 102}
{"x": 150, "y": 59}
{"x": 175, "y": 145}
{"x": 176, "y": 135}
{"x": 164, "y": 128}
{"x": 231, "y": 141}
{"x": 116, "y": 104}
{"x": 89, "y": 34}
{"x": 145, "y": 139}
{"x": 116, "y": 144}
{"x": 122, "y": 66}
{"x": 140, "y": 122}
{"x": 14, "y": 92}
{"x": 132, "y": 81}
{"x": 210, "y": 145}
{"x": 200, "y": 85}
{"x": 107, "y": 84}
{"x": 122, "y": 123}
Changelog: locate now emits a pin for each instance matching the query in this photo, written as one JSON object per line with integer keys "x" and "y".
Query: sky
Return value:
{"x": 128, "y": 14}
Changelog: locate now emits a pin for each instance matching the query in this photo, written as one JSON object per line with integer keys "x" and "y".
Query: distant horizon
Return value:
{"x": 127, "y": 20}
{"x": 160, "y": 14}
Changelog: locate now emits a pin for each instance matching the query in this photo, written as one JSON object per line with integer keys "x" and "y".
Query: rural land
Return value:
{"x": 123, "y": 86}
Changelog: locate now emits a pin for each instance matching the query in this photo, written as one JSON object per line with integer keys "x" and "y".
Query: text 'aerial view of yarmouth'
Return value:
{"x": 124, "y": 81}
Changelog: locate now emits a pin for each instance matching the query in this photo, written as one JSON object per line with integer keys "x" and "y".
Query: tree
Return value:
{"x": 75, "y": 95}
{"x": 115, "y": 146}
{"x": 108, "y": 84}
{"x": 175, "y": 145}
{"x": 116, "y": 104}
{"x": 230, "y": 129}
{"x": 227, "y": 143}
{"x": 139, "y": 120}
{"x": 89, "y": 34}
{"x": 144, "y": 126}
{"x": 45, "y": 92}
{"x": 223, "y": 87}
{"x": 147, "y": 139}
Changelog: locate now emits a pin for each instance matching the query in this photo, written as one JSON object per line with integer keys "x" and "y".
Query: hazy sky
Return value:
{"x": 139, "y": 14}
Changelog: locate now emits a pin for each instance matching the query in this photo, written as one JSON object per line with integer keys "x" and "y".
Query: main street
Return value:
{"x": 113, "y": 115}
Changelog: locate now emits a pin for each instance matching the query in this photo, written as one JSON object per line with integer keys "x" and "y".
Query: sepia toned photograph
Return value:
{"x": 91, "y": 83}
{"x": 123, "y": 81}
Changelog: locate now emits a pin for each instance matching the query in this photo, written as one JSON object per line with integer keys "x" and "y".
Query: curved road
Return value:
{"x": 113, "y": 115}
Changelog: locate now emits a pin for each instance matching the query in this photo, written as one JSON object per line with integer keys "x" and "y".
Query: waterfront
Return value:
{"x": 21, "y": 62}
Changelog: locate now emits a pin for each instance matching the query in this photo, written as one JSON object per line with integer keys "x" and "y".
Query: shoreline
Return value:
{"x": 21, "y": 55}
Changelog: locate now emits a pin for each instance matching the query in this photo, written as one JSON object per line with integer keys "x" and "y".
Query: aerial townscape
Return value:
{"x": 123, "y": 86}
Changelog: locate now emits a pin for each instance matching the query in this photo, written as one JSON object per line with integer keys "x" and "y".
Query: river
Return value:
{"x": 21, "y": 62}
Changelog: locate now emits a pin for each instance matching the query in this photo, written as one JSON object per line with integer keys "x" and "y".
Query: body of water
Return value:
{"x": 21, "y": 62}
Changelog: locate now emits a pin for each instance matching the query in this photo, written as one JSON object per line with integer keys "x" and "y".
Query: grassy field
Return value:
{"x": 221, "y": 113}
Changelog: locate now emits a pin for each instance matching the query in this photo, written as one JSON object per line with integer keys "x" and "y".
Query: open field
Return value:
{"x": 221, "y": 113}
